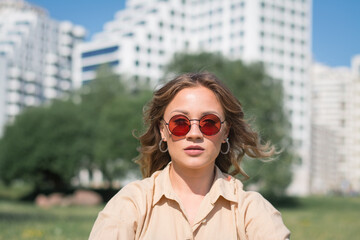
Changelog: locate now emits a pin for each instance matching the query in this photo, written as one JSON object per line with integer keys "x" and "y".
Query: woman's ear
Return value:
{"x": 226, "y": 132}
{"x": 162, "y": 127}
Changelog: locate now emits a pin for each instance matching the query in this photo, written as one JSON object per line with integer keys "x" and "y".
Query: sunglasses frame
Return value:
{"x": 198, "y": 120}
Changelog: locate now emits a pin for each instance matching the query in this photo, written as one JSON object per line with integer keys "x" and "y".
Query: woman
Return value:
{"x": 196, "y": 134}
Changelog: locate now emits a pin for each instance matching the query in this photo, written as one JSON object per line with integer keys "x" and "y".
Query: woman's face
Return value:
{"x": 194, "y": 150}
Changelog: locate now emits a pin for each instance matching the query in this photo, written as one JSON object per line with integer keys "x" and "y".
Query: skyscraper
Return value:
{"x": 35, "y": 57}
{"x": 144, "y": 36}
{"x": 336, "y": 130}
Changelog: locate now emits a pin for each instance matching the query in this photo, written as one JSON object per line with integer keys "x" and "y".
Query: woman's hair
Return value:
{"x": 243, "y": 140}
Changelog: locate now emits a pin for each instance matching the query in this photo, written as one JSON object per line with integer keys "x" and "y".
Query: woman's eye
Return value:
{"x": 180, "y": 121}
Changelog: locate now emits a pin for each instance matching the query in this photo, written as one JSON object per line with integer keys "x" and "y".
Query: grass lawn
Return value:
{"x": 317, "y": 218}
{"x": 324, "y": 218}
{"x": 26, "y": 221}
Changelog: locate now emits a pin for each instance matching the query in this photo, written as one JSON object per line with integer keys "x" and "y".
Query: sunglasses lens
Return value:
{"x": 210, "y": 124}
{"x": 179, "y": 125}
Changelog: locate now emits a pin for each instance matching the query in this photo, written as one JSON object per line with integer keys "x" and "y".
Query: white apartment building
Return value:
{"x": 35, "y": 57}
{"x": 143, "y": 37}
{"x": 336, "y": 130}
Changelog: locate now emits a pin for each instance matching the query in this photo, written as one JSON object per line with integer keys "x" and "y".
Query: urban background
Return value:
{"x": 71, "y": 99}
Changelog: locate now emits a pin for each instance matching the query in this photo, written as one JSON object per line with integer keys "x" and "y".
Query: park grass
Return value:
{"x": 324, "y": 218}
{"x": 27, "y": 221}
{"x": 320, "y": 218}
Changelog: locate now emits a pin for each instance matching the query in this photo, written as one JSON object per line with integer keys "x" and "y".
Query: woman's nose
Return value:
{"x": 194, "y": 131}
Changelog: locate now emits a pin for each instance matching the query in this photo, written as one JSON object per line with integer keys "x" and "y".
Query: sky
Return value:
{"x": 335, "y": 29}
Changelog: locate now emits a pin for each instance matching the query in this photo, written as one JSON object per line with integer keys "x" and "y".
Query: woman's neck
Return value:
{"x": 192, "y": 181}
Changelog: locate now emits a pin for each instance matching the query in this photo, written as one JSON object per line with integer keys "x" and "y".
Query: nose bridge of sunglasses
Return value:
{"x": 194, "y": 120}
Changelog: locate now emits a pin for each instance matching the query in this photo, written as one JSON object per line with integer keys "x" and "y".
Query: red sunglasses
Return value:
{"x": 180, "y": 125}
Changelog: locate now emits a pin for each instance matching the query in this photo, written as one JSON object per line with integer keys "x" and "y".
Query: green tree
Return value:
{"x": 40, "y": 146}
{"x": 116, "y": 144}
{"x": 111, "y": 111}
{"x": 48, "y": 145}
{"x": 262, "y": 100}
{"x": 92, "y": 99}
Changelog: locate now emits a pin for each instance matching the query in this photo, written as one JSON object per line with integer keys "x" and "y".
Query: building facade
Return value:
{"x": 335, "y": 121}
{"x": 35, "y": 57}
{"x": 144, "y": 36}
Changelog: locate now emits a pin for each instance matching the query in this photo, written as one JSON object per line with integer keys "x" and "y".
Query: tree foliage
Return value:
{"x": 262, "y": 100}
{"x": 38, "y": 146}
{"x": 92, "y": 129}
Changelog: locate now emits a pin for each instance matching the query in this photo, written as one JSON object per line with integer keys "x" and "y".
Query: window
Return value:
{"x": 95, "y": 66}
{"x": 100, "y": 52}
{"x": 141, "y": 23}
{"x": 129, "y": 34}
{"x": 22, "y": 23}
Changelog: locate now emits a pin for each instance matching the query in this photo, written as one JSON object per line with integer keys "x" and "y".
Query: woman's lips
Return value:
{"x": 194, "y": 150}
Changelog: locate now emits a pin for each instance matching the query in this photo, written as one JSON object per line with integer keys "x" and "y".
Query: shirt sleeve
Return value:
{"x": 119, "y": 218}
{"x": 262, "y": 221}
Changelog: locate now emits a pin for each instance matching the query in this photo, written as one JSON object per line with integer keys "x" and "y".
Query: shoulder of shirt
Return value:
{"x": 137, "y": 189}
{"x": 245, "y": 197}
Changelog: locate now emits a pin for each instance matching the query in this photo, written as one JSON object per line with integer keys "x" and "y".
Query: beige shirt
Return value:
{"x": 150, "y": 209}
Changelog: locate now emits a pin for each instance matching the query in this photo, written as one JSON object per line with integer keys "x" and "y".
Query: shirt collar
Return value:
{"x": 163, "y": 185}
{"x": 224, "y": 185}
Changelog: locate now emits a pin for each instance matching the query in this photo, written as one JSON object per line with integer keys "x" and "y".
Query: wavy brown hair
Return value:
{"x": 243, "y": 140}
